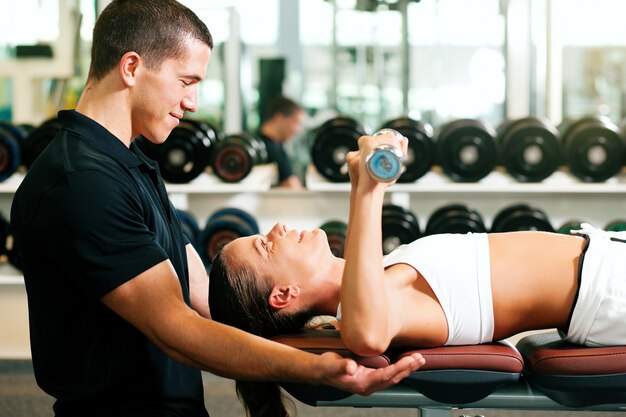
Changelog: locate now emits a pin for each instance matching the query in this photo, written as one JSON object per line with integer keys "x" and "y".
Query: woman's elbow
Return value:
{"x": 365, "y": 343}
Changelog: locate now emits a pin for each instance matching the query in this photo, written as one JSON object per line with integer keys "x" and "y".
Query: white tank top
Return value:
{"x": 456, "y": 266}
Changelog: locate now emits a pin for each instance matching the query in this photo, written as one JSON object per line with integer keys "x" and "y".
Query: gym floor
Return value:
{"x": 21, "y": 397}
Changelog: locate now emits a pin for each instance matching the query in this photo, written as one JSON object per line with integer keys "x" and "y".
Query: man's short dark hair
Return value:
{"x": 155, "y": 29}
{"x": 281, "y": 105}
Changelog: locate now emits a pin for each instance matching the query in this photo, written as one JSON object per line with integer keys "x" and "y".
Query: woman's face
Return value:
{"x": 287, "y": 256}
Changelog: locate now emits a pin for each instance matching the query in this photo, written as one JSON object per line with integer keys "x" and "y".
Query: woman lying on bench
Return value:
{"x": 447, "y": 289}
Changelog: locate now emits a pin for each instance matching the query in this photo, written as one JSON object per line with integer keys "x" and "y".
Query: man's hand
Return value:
{"x": 347, "y": 375}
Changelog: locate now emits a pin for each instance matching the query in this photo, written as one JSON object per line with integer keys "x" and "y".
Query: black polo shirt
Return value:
{"x": 90, "y": 215}
{"x": 276, "y": 153}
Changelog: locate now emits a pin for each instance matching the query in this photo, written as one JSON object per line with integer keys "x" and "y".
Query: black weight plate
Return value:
{"x": 594, "y": 149}
{"x": 336, "y": 235}
{"x": 236, "y": 212}
{"x": 185, "y": 154}
{"x": 421, "y": 147}
{"x": 220, "y": 230}
{"x": 10, "y": 154}
{"x": 530, "y": 149}
{"x": 520, "y": 218}
{"x": 496, "y": 224}
{"x": 37, "y": 140}
{"x": 234, "y": 157}
{"x": 455, "y": 218}
{"x": 331, "y": 143}
{"x": 467, "y": 150}
{"x": 399, "y": 226}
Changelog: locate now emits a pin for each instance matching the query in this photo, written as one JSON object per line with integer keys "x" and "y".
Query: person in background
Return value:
{"x": 117, "y": 296}
{"x": 283, "y": 121}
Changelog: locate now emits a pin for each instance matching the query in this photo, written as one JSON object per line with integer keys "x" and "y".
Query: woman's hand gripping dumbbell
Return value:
{"x": 382, "y": 156}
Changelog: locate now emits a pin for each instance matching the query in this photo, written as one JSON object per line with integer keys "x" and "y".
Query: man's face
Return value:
{"x": 291, "y": 126}
{"x": 164, "y": 95}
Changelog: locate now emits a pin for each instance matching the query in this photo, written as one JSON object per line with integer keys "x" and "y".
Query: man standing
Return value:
{"x": 118, "y": 298}
{"x": 283, "y": 121}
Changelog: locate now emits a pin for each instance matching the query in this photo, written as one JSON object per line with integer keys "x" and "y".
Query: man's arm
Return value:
{"x": 198, "y": 282}
{"x": 152, "y": 302}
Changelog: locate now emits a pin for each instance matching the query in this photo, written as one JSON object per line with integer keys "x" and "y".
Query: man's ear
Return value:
{"x": 281, "y": 297}
{"x": 128, "y": 67}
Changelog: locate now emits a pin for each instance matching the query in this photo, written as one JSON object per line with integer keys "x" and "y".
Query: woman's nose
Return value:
{"x": 279, "y": 230}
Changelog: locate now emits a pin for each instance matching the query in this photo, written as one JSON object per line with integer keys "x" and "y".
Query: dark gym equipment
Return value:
{"x": 455, "y": 218}
{"x": 222, "y": 227}
{"x": 421, "y": 149}
{"x": 336, "y": 231}
{"x": 568, "y": 226}
{"x": 529, "y": 148}
{"x": 332, "y": 141}
{"x": 10, "y": 152}
{"x": 593, "y": 147}
{"x": 186, "y": 152}
{"x": 618, "y": 225}
{"x": 8, "y": 251}
{"x": 399, "y": 226}
{"x": 38, "y": 139}
{"x": 236, "y": 154}
{"x": 519, "y": 217}
{"x": 190, "y": 226}
{"x": 467, "y": 150}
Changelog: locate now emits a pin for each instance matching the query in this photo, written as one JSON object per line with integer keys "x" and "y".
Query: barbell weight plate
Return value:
{"x": 530, "y": 149}
{"x": 520, "y": 217}
{"x": 594, "y": 148}
{"x": 185, "y": 153}
{"x": 332, "y": 142}
{"x": 467, "y": 150}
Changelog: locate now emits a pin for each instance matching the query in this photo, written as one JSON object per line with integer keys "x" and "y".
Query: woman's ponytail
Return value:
{"x": 262, "y": 399}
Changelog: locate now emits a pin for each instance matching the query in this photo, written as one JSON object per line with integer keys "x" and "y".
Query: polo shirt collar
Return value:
{"x": 97, "y": 135}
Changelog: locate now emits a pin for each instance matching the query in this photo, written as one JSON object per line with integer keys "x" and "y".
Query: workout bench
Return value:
{"x": 541, "y": 372}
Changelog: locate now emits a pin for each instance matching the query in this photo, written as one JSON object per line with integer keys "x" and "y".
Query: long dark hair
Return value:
{"x": 238, "y": 298}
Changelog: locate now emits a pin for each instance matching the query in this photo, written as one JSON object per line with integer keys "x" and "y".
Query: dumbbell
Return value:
{"x": 222, "y": 227}
{"x": 455, "y": 218}
{"x": 467, "y": 149}
{"x": 331, "y": 143}
{"x": 399, "y": 226}
{"x": 10, "y": 153}
{"x": 519, "y": 217}
{"x": 190, "y": 226}
{"x": 529, "y": 148}
{"x": 186, "y": 152}
{"x": 385, "y": 163}
{"x": 336, "y": 231}
{"x": 594, "y": 148}
{"x": 236, "y": 154}
{"x": 38, "y": 139}
{"x": 421, "y": 147}
{"x": 568, "y": 226}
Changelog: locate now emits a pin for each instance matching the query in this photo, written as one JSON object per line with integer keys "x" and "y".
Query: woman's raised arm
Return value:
{"x": 365, "y": 327}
